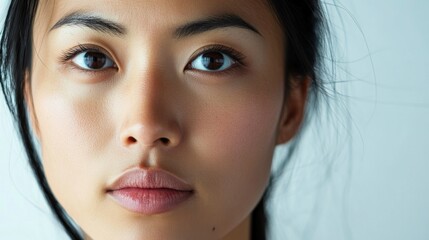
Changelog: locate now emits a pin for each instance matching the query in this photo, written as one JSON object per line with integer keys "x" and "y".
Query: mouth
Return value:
{"x": 149, "y": 192}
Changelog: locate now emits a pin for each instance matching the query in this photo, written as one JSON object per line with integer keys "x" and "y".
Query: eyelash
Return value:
{"x": 68, "y": 55}
{"x": 237, "y": 57}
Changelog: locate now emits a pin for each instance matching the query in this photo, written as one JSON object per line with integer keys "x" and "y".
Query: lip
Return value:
{"x": 149, "y": 191}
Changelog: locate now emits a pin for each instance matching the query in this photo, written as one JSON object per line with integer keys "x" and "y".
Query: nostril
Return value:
{"x": 131, "y": 140}
{"x": 165, "y": 141}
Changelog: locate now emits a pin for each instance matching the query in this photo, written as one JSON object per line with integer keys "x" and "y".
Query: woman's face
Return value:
{"x": 190, "y": 88}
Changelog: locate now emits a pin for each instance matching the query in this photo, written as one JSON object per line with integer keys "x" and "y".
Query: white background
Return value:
{"x": 374, "y": 182}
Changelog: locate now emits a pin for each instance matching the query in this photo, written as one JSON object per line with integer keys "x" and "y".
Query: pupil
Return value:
{"x": 213, "y": 60}
{"x": 95, "y": 60}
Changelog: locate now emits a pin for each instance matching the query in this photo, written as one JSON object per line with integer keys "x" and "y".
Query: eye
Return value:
{"x": 212, "y": 61}
{"x": 217, "y": 58}
{"x": 92, "y": 60}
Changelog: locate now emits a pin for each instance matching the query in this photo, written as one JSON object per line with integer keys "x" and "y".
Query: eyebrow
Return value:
{"x": 211, "y": 23}
{"x": 93, "y": 22}
{"x": 193, "y": 28}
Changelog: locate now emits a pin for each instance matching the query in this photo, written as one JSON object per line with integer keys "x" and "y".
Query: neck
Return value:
{"x": 241, "y": 232}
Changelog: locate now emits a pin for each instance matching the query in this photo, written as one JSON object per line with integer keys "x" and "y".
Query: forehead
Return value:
{"x": 152, "y": 15}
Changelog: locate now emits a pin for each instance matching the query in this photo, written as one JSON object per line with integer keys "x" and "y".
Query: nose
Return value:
{"x": 150, "y": 118}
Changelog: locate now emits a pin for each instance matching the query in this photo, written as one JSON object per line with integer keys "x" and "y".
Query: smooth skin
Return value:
{"x": 150, "y": 107}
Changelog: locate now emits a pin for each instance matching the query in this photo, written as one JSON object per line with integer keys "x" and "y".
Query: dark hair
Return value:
{"x": 303, "y": 25}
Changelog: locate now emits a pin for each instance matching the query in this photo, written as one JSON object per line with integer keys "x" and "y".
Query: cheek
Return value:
{"x": 72, "y": 142}
{"x": 236, "y": 141}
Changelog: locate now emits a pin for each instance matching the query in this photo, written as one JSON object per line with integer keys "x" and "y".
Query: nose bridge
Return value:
{"x": 147, "y": 119}
{"x": 146, "y": 95}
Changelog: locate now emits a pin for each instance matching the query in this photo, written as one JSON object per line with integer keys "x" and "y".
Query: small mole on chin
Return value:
{"x": 213, "y": 229}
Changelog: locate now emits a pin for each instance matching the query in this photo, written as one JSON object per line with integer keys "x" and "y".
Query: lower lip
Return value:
{"x": 149, "y": 201}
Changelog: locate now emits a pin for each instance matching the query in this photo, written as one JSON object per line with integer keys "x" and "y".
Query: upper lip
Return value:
{"x": 149, "y": 179}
